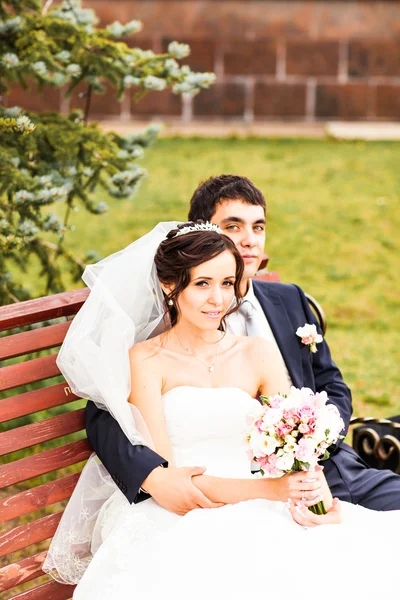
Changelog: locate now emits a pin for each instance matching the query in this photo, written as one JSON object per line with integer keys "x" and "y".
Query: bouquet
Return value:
{"x": 293, "y": 432}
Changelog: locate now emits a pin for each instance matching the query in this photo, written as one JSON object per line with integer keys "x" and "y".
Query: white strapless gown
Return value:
{"x": 247, "y": 550}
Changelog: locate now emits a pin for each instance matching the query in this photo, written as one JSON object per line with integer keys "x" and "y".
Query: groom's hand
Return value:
{"x": 173, "y": 489}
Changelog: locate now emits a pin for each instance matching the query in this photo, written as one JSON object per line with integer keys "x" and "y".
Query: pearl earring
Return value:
{"x": 170, "y": 302}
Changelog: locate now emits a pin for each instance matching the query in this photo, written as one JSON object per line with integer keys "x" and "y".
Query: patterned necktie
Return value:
{"x": 247, "y": 310}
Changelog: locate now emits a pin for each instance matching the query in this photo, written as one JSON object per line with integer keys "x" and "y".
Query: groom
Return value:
{"x": 277, "y": 310}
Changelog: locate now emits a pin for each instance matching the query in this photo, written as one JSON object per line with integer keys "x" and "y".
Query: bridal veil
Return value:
{"x": 125, "y": 306}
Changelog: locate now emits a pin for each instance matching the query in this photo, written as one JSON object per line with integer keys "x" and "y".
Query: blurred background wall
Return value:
{"x": 275, "y": 60}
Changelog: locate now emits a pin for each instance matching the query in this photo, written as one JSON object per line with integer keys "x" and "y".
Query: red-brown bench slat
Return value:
{"x": 28, "y": 372}
{"x": 29, "y": 533}
{"x": 31, "y": 402}
{"x": 37, "y": 497}
{"x": 44, "y": 462}
{"x": 42, "y": 309}
{"x": 22, "y": 571}
{"x": 42, "y": 431}
{"x": 48, "y": 591}
{"x": 33, "y": 341}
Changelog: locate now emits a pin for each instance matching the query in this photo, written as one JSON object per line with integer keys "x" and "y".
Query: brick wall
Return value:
{"x": 275, "y": 60}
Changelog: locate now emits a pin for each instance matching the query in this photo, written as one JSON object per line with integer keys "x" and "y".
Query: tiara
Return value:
{"x": 207, "y": 226}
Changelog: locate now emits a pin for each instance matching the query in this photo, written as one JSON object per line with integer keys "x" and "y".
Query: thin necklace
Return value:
{"x": 190, "y": 351}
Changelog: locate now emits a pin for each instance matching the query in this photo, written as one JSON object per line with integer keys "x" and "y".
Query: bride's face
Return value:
{"x": 210, "y": 292}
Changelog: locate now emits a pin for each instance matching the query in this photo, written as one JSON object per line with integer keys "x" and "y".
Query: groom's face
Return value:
{"x": 245, "y": 225}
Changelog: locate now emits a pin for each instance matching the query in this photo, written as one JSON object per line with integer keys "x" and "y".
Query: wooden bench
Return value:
{"x": 44, "y": 492}
{"x": 37, "y": 483}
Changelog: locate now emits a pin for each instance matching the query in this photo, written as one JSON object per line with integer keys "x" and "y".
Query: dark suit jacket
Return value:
{"x": 286, "y": 308}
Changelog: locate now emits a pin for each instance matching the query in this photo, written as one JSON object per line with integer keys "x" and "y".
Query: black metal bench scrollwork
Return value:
{"x": 377, "y": 441}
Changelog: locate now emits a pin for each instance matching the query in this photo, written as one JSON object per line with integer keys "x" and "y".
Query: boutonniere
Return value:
{"x": 309, "y": 336}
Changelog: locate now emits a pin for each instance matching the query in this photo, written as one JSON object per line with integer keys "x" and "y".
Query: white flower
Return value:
{"x": 154, "y": 83}
{"x": 272, "y": 416}
{"x": 137, "y": 152}
{"x": 130, "y": 80}
{"x": 10, "y": 60}
{"x": 102, "y": 208}
{"x": 309, "y": 336}
{"x": 269, "y": 445}
{"x": 45, "y": 180}
{"x": 52, "y": 222}
{"x": 115, "y": 29}
{"x": 290, "y": 443}
{"x": 13, "y": 24}
{"x": 39, "y": 68}
{"x": 182, "y": 88}
{"x": 25, "y": 124}
{"x": 285, "y": 462}
{"x": 130, "y": 60}
{"x": 63, "y": 56}
{"x": 133, "y": 27}
{"x": 70, "y": 171}
{"x": 28, "y": 228}
{"x": 255, "y": 443}
{"x": 23, "y": 196}
{"x": 143, "y": 54}
{"x": 200, "y": 79}
{"x": 74, "y": 70}
{"x": 57, "y": 193}
{"x": 172, "y": 66}
{"x": 178, "y": 50}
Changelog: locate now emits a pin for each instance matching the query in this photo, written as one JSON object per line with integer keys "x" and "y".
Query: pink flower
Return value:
{"x": 276, "y": 401}
{"x": 311, "y": 424}
{"x": 282, "y": 429}
{"x": 271, "y": 468}
{"x": 305, "y": 450}
{"x": 259, "y": 425}
{"x": 309, "y": 336}
{"x": 303, "y": 428}
{"x": 306, "y": 412}
{"x": 291, "y": 416}
{"x": 320, "y": 399}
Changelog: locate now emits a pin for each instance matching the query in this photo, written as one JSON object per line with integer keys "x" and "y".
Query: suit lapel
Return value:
{"x": 282, "y": 328}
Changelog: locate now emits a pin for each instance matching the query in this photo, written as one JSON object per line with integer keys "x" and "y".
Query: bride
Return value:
{"x": 191, "y": 389}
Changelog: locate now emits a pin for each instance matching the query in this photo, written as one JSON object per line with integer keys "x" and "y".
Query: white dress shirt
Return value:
{"x": 236, "y": 323}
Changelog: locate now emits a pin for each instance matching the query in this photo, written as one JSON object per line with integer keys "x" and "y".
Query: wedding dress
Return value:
{"x": 249, "y": 549}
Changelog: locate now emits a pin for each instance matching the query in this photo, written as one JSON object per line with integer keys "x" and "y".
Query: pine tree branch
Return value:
{"x": 87, "y": 104}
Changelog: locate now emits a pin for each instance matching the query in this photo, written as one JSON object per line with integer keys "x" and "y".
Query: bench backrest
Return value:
{"x": 19, "y": 496}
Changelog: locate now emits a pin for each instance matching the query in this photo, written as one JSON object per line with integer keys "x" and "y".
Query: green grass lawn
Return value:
{"x": 333, "y": 228}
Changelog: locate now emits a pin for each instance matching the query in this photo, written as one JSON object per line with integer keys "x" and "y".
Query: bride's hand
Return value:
{"x": 173, "y": 489}
{"x": 302, "y": 486}
{"x": 303, "y": 516}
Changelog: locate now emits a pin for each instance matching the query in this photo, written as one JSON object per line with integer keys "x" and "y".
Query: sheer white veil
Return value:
{"x": 125, "y": 306}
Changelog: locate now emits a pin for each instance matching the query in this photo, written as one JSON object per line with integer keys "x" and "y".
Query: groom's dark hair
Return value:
{"x": 214, "y": 190}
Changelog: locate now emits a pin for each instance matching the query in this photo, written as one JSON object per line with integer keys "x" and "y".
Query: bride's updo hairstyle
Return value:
{"x": 181, "y": 252}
